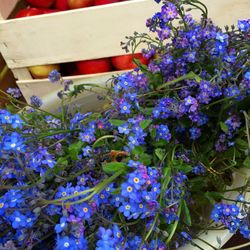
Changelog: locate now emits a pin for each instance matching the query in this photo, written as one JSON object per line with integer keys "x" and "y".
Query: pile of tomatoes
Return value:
{"x": 39, "y": 7}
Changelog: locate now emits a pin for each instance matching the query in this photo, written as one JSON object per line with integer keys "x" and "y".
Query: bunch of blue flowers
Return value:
{"x": 145, "y": 172}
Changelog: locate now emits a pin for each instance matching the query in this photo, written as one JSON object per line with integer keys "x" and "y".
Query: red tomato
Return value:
{"x": 102, "y": 2}
{"x": 48, "y": 11}
{"x": 40, "y": 3}
{"x": 29, "y": 12}
{"x": 94, "y": 66}
{"x": 126, "y": 61}
{"x": 61, "y": 4}
{"x": 76, "y": 4}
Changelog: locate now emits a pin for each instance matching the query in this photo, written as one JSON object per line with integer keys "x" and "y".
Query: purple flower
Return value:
{"x": 54, "y": 76}
{"x": 169, "y": 12}
{"x": 14, "y": 92}
{"x": 36, "y": 101}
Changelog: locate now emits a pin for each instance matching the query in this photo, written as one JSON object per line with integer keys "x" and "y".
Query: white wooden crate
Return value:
{"x": 82, "y": 34}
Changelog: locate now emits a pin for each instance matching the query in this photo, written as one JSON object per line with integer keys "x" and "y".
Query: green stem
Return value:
{"x": 174, "y": 225}
{"x": 190, "y": 75}
{"x": 152, "y": 227}
{"x": 102, "y": 138}
{"x": 94, "y": 190}
{"x": 9, "y": 97}
{"x": 3, "y": 72}
{"x": 247, "y": 128}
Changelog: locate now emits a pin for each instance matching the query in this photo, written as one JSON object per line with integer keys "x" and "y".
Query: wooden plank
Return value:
{"x": 22, "y": 74}
{"x": 89, "y": 33}
{"x": 6, "y": 7}
{"x": 42, "y": 88}
{"x": 86, "y": 33}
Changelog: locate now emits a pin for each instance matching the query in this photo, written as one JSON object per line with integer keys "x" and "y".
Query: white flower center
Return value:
{"x": 17, "y": 219}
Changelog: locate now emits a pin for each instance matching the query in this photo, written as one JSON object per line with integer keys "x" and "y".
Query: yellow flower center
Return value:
{"x": 85, "y": 209}
{"x": 127, "y": 207}
{"x": 136, "y": 180}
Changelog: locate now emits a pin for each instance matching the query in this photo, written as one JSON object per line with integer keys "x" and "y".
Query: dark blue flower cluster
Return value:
{"x": 233, "y": 217}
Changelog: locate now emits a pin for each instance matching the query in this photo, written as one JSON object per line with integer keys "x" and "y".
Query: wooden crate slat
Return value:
{"x": 6, "y": 7}
{"x": 22, "y": 73}
{"x": 43, "y": 87}
{"x": 87, "y": 33}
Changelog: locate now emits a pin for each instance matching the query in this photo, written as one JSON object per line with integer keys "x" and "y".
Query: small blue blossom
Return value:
{"x": 124, "y": 129}
{"x": 36, "y": 101}
{"x": 125, "y": 107}
{"x": 87, "y": 151}
{"x": 65, "y": 243}
{"x": 62, "y": 225}
{"x": 162, "y": 132}
{"x": 54, "y": 76}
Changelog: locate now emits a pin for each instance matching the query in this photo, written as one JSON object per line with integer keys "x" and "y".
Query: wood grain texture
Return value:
{"x": 81, "y": 34}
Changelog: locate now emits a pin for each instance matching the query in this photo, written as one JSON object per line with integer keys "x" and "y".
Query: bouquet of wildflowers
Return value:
{"x": 153, "y": 169}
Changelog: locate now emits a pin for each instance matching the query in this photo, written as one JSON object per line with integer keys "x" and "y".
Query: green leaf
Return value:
{"x": 100, "y": 141}
{"x": 62, "y": 161}
{"x": 180, "y": 166}
{"x": 138, "y": 150}
{"x": 146, "y": 159}
{"x": 246, "y": 162}
{"x": 160, "y": 153}
{"x": 113, "y": 167}
{"x": 213, "y": 196}
{"x": 153, "y": 133}
{"x": 187, "y": 216}
{"x": 145, "y": 123}
{"x": 116, "y": 122}
{"x": 242, "y": 143}
{"x": 74, "y": 149}
{"x": 223, "y": 127}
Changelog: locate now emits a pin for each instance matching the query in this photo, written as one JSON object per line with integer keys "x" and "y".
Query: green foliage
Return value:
{"x": 74, "y": 149}
{"x": 186, "y": 212}
{"x": 145, "y": 123}
{"x": 113, "y": 167}
{"x": 246, "y": 162}
{"x": 116, "y": 122}
{"x": 160, "y": 153}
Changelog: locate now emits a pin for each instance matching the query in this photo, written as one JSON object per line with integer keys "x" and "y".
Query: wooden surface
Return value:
{"x": 81, "y": 34}
{"x": 43, "y": 87}
{"x": 6, "y": 7}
